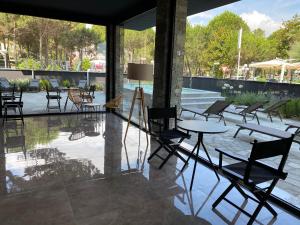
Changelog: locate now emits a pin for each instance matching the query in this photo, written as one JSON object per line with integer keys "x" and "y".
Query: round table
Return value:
{"x": 201, "y": 128}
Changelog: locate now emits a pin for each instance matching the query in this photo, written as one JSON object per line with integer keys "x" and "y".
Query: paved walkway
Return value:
{"x": 288, "y": 189}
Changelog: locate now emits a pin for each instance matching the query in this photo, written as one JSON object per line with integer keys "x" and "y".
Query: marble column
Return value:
{"x": 169, "y": 52}
{"x": 115, "y": 61}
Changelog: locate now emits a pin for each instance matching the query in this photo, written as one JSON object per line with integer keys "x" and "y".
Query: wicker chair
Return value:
{"x": 114, "y": 104}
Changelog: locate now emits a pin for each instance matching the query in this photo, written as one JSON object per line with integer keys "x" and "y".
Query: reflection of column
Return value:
{"x": 113, "y": 144}
{"x": 2, "y": 164}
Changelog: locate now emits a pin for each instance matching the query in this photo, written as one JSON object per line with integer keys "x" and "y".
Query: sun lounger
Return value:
{"x": 214, "y": 111}
{"x": 247, "y": 111}
{"x": 4, "y": 84}
{"x": 274, "y": 109}
{"x": 264, "y": 130}
{"x": 293, "y": 125}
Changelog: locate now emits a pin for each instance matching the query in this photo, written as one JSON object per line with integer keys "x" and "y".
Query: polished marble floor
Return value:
{"x": 75, "y": 170}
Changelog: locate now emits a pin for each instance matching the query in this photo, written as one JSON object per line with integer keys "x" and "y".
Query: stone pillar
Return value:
{"x": 115, "y": 61}
{"x": 169, "y": 52}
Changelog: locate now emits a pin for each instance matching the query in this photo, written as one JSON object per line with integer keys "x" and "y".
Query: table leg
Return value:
{"x": 209, "y": 159}
{"x": 66, "y": 102}
{"x": 197, "y": 155}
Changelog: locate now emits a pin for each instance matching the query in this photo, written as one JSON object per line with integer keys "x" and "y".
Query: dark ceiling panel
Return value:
{"x": 137, "y": 14}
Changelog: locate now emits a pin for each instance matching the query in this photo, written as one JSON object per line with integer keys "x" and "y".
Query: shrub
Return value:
{"x": 21, "y": 84}
{"x": 86, "y": 64}
{"x": 66, "y": 83}
{"x": 29, "y": 63}
{"x": 248, "y": 98}
{"x": 291, "y": 109}
{"x": 99, "y": 87}
{"x": 44, "y": 83}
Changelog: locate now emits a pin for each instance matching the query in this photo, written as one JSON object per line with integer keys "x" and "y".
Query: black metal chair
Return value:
{"x": 14, "y": 104}
{"x": 168, "y": 139}
{"x": 54, "y": 95}
{"x": 252, "y": 172}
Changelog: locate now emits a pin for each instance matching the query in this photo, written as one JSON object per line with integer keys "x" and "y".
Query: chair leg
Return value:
{"x": 48, "y": 104}
{"x": 236, "y": 133}
{"x": 222, "y": 196}
{"x": 154, "y": 153}
{"x": 270, "y": 116}
{"x": 257, "y": 118}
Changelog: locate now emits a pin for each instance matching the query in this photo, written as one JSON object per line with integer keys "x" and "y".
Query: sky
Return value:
{"x": 265, "y": 14}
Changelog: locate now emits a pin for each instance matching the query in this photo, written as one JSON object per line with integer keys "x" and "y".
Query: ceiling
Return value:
{"x": 133, "y": 14}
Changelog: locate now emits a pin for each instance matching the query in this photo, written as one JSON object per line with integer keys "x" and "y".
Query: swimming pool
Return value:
{"x": 148, "y": 88}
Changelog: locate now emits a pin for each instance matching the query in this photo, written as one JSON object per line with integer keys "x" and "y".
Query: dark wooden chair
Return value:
{"x": 216, "y": 110}
{"x": 249, "y": 173}
{"x": 14, "y": 104}
{"x": 53, "y": 95}
{"x": 168, "y": 139}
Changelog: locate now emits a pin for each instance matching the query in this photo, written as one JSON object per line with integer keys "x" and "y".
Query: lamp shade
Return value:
{"x": 140, "y": 71}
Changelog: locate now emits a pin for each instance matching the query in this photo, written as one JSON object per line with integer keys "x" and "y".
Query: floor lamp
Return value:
{"x": 140, "y": 72}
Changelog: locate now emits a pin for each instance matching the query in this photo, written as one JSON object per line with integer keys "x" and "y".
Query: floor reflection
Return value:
{"x": 76, "y": 170}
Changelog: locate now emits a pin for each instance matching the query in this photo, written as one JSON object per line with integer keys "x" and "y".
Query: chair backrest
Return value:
{"x": 54, "y": 83}
{"x": 218, "y": 107}
{"x": 4, "y": 83}
{"x": 276, "y": 105}
{"x": 252, "y": 108}
{"x": 34, "y": 83}
{"x": 82, "y": 84}
{"x": 160, "y": 115}
{"x": 269, "y": 149}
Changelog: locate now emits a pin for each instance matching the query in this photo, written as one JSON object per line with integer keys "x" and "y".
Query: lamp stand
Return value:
{"x": 138, "y": 95}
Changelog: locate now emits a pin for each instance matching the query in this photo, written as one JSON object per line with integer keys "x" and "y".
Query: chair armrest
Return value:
{"x": 221, "y": 153}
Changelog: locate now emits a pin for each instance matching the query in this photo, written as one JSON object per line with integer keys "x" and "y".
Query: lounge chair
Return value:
{"x": 216, "y": 110}
{"x": 34, "y": 85}
{"x": 8, "y": 91}
{"x": 274, "y": 109}
{"x": 293, "y": 125}
{"x": 247, "y": 111}
{"x": 114, "y": 103}
{"x": 4, "y": 84}
{"x": 82, "y": 84}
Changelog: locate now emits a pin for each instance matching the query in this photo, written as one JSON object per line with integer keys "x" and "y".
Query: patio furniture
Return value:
{"x": 293, "y": 125}
{"x": 264, "y": 130}
{"x": 200, "y": 128}
{"x": 274, "y": 109}
{"x": 14, "y": 104}
{"x": 216, "y": 110}
{"x": 247, "y": 111}
{"x": 168, "y": 139}
{"x": 34, "y": 85}
{"x": 7, "y": 90}
{"x": 249, "y": 173}
{"x": 75, "y": 98}
{"x": 54, "y": 95}
{"x": 82, "y": 84}
{"x": 89, "y": 95}
{"x": 54, "y": 84}
{"x": 114, "y": 103}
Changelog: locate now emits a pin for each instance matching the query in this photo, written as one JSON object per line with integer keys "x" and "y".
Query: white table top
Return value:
{"x": 199, "y": 126}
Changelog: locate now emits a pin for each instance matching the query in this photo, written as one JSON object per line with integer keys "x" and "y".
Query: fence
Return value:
{"x": 213, "y": 84}
{"x": 73, "y": 77}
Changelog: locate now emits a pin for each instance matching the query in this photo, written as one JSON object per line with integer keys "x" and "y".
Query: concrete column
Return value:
{"x": 169, "y": 52}
{"x": 115, "y": 61}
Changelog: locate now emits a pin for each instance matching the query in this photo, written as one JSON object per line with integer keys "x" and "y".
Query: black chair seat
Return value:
{"x": 53, "y": 97}
{"x": 258, "y": 174}
{"x": 173, "y": 134}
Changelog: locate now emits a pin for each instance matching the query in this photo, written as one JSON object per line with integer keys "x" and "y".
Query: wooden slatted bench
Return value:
{"x": 264, "y": 130}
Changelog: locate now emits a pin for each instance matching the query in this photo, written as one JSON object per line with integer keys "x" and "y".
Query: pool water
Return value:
{"x": 148, "y": 88}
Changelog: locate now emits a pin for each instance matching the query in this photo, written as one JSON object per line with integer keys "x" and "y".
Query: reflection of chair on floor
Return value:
{"x": 113, "y": 104}
{"x": 53, "y": 95}
{"x": 14, "y": 137}
{"x": 86, "y": 128}
{"x": 253, "y": 172}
